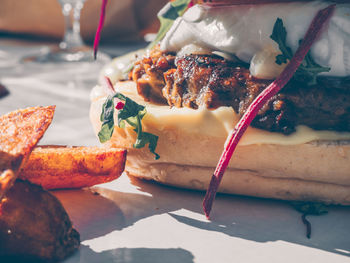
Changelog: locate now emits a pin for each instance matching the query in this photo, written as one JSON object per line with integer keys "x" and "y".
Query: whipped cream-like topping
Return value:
{"x": 244, "y": 30}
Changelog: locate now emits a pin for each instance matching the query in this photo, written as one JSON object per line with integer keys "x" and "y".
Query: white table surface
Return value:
{"x": 138, "y": 221}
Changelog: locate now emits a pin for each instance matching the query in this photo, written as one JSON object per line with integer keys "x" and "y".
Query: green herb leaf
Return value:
{"x": 279, "y": 35}
{"x": 107, "y": 119}
{"x": 130, "y": 109}
{"x": 107, "y": 109}
{"x": 147, "y": 138}
{"x": 280, "y": 59}
{"x": 309, "y": 69}
{"x": 167, "y": 16}
{"x": 132, "y": 113}
{"x": 106, "y": 132}
{"x": 310, "y": 208}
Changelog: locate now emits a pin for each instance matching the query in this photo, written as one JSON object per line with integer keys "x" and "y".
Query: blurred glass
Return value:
{"x": 72, "y": 47}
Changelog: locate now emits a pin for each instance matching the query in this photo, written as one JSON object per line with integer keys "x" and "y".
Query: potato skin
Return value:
{"x": 34, "y": 226}
{"x": 57, "y": 167}
{"x": 20, "y": 131}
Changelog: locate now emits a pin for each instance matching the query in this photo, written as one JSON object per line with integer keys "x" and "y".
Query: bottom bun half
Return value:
{"x": 316, "y": 171}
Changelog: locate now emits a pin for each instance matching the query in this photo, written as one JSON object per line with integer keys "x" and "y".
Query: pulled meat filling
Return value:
{"x": 196, "y": 80}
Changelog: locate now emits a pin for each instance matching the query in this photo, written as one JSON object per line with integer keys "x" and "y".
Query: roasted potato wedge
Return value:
{"x": 20, "y": 131}
{"x": 34, "y": 227}
{"x": 57, "y": 167}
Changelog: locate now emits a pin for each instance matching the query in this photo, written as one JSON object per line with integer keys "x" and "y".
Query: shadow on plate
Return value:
{"x": 254, "y": 219}
{"x": 133, "y": 255}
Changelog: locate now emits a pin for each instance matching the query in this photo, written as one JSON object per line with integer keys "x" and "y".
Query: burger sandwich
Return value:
{"x": 270, "y": 77}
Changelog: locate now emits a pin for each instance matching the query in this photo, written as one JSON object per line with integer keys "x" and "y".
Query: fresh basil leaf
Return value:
{"x": 313, "y": 69}
{"x": 108, "y": 109}
{"x": 310, "y": 208}
{"x": 132, "y": 113}
{"x": 107, "y": 119}
{"x": 106, "y": 131}
{"x": 280, "y": 59}
{"x": 119, "y": 96}
{"x": 130, "y": 109}
{"x": 279, "y": 35}
{"x": 152, "y": 145}
{"x": 150, "y": 139}
{"x": 309, "y": 69}
{"x": 144, "y": 138}
{"x": 121, "y": 124}
{"x": 132, "y": 121}
{"x": 175, "y": 10}
{"x": 167, "y": 16}
{"x": 105, "y": 106}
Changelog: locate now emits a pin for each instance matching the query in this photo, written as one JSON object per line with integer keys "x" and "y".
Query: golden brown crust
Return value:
{"x": 242, "y": 182}
{"x": 20, "y": 131}
{"x": 22, "y": 128}
{"x": 55, "y": 167}
{"x": 34, "y": 227}
{"x": 309, "y": 172}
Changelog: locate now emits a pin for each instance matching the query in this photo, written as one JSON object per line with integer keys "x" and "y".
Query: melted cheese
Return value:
{"x": 245, "y": 30}
{"x": 216, "y": 123}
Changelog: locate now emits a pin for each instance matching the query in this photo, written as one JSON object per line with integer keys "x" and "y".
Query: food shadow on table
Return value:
{"x": 114, "y": 208}
{"x": 133, "y": 255}
{"x": 94, "y": 216}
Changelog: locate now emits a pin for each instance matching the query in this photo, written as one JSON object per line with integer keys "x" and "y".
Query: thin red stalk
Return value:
{"x": 234, "y": 137}
{"x": 100, "y": 26}
{"x": 109, "y": 84}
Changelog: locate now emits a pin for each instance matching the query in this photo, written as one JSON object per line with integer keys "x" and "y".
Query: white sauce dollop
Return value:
{"x": 244, "y": 30}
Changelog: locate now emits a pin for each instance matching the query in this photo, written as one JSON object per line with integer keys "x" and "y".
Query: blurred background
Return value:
{"x": 31, "y": 34}
{"x": 126, "y": 20}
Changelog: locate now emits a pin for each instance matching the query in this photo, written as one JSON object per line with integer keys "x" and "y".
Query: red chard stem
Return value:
{"x": 231, "y": 142}
{"x": 100, "y": 26}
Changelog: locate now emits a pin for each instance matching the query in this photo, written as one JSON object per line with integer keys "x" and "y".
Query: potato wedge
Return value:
{"x": 57, "y": 167}
{"x": 20, "y": 131}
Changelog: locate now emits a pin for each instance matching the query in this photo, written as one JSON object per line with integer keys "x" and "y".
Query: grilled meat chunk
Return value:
{"x": 196, "y": 80}
{"x": 148, "y": 75}
{"x": 34, "y": 226}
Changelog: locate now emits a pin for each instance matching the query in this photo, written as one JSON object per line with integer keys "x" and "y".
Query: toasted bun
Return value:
{"x": 314, "y": 171}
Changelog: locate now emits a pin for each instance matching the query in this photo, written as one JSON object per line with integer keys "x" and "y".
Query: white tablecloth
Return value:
{"x": 137, "y": 221}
